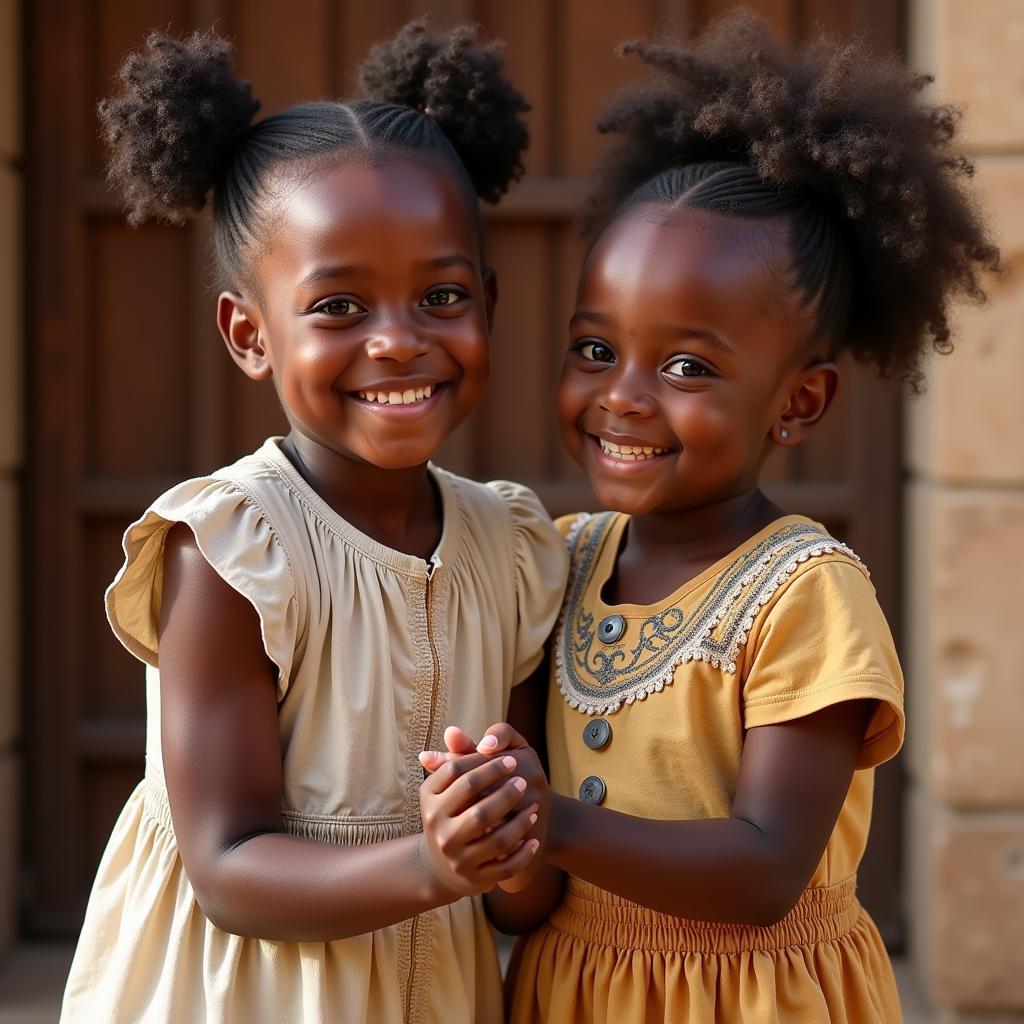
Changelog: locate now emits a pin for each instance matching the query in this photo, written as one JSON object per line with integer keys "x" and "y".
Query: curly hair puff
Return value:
{"x": 460, "y": 85}
{"x": 183, "y": 128}
{"x": 884, "y": 233}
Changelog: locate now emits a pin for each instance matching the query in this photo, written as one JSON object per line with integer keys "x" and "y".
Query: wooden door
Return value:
{"x": 123, "y": 403}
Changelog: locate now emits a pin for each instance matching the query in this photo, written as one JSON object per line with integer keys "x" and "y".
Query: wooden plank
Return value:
{"x": 526, "y": 28}
{"x": 55, "y": 316}
{"x": 92, "y": 470}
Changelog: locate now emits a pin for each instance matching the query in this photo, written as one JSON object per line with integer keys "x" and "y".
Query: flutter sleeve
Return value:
{"x": 824, "y": 640}
{"x": 541, "y": 567}
{"x": 236, "y": 538}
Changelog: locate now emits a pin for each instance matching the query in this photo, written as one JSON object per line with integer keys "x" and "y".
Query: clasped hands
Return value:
{"x": 484, "y": 808}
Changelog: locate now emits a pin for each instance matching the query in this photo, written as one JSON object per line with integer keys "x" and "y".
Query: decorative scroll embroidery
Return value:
{"x": 597, "y": 678}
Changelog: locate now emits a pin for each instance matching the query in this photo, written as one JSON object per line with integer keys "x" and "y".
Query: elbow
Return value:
{"x": 223, "y": 905}
{"x": 222, "y": 912}
{"x": 777, "y": 893}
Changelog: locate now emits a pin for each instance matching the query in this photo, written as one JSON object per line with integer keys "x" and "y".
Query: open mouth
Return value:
{"x": 410, "y": 396}
{"x": 629, "y": 452}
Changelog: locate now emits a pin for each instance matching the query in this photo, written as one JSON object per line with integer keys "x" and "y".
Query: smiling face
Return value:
{"x": 374, "y": 311}
{"x": 683, "y": 360}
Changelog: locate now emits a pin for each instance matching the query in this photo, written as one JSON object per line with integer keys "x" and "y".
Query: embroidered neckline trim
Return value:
{"x": 714, "y": 632}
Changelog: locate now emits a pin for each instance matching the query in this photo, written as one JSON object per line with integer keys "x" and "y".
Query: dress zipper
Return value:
{"x": 432, "y": 566}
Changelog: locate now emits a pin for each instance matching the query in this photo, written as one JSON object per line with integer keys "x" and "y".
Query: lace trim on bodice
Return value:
{"x": 598, "y": 678}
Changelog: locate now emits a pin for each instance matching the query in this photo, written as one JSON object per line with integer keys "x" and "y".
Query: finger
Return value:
{"x": 489, "y": 812}
{"x": 433, "y": 759}
{"x": 454, "y": 769}
{"x": 500, "y": 737}
{"x": 458, "y": 741}
{"x": 469, "y": 786}
{"x": 497, "y": 871}
{"x": 502, "y": 843}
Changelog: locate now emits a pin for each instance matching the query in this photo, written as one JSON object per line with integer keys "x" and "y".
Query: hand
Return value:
{"x": 475, "y": 823}
{"x": 497, "y": 740}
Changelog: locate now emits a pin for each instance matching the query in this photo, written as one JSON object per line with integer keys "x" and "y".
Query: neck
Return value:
{"x": 397, "y": 507}
{"x": 704, "y": 533}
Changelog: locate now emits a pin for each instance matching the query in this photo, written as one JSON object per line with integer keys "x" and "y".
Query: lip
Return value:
{"x": 630, "y": 440}
{"x": 401, "y": 412}
{"x": 623, "y": 467}
{"x": 399, "y": 384}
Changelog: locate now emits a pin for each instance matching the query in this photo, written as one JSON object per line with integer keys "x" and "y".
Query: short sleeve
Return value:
{"x": 822, "y": 641}
{"x": 235, "y": 537}
{"x": 541, "y": 569}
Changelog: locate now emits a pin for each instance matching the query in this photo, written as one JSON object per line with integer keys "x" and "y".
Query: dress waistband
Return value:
{"x": 596, "y": 916}
{"x": 344, "y": 830}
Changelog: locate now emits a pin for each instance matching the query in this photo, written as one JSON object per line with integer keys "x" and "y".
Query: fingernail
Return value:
{"x": 533, "y": 819}
{"x": 489, "y": 742}
{"x": 520, "y": 784}
{"x": 534, "y": 845}
{"x": 509, "y": 762}
{"x": 427, "y": 755}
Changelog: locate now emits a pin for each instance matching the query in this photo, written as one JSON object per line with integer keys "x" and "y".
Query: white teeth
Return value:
{"x": 408, "y": 397}
{"x": 630, "y": 453}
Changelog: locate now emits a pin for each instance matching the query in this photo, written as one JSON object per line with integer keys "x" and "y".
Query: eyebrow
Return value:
{"x": 352, "y": 269}
{"x": 322, "y": 273}
{"x": 672, "y": 331}
{"x": 456, "y": 259}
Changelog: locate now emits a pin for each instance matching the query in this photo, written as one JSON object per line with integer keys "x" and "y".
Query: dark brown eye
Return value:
{"x": 443, "y": 297}
{"x": 339, "y": 307}
{"x": 596, "y": 352}
{"x": 686, "y": 367}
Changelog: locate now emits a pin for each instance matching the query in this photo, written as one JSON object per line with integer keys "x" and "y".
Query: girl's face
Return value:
{"x": 374, "y": 312}
{"x": 681, "y": 359}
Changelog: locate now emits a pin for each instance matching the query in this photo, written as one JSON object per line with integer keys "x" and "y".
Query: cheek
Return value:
{"x": 716, "y": 431}
{"x": 315, "y": 360}
{"x": 570, "y": 401}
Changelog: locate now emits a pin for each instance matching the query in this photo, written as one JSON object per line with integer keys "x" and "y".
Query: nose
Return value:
{"x": 395, "y": 339}
{"x": 627, "y": 394}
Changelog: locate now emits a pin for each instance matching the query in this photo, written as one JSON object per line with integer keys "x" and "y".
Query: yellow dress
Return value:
{"x": 782, "y": 627}
{"x": 375, "y": 656}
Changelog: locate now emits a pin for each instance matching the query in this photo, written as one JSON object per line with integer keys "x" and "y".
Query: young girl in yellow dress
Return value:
{"x": 312, "y": 614}
{"x": 722, "y": 680}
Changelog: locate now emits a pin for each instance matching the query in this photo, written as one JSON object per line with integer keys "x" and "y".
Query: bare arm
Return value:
{"x": 749, "y": 868}
{"x": 525, "y": 909}
{"x": 222, "y": 761}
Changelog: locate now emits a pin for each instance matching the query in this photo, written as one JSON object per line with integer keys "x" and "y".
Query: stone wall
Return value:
{"x": 11, "y": 389}
{"x": 965, "y": 562}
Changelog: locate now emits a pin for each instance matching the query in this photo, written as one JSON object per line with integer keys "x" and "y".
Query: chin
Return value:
{"x": 404, "y": 458}
{"x": 618, "y": 498}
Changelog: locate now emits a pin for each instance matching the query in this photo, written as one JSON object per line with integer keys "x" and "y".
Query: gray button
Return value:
{"x": 597, "y": 733}
{"x": 592, "y": 789}
{"x": 610, "y": 628}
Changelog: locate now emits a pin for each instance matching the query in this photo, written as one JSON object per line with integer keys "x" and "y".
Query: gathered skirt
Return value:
{"x": 149, "y": 955}
{"x": 601, "y": 959}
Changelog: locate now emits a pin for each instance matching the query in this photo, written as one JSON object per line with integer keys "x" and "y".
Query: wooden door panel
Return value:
{"x": 132, "y": 391}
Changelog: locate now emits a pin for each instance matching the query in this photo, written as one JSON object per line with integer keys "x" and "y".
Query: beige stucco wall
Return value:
{"x": 965, "y": 562}
{"x": 11, "y": 447}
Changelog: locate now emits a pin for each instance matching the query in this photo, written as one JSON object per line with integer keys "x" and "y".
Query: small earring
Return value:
{"x": 783, "y": 433}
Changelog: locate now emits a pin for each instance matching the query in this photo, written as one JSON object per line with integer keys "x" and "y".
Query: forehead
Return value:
{"x": 367, "y": 212}
{"x": 687, "y": 264}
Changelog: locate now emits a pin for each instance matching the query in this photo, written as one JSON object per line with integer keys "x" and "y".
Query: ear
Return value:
{"x": 239, "y": 323}
{"x": 815, "y": 389}
{"x": 490, "y": 281}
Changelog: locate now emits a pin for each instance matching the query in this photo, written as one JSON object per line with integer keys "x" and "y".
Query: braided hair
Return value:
{"x": 184, "y": 128}
{"x": 883, "y": 233}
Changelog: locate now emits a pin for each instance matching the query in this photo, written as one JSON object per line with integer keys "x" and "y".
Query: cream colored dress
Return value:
{"x": 784, "y": 626}
{"x": 377, "y": 652}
